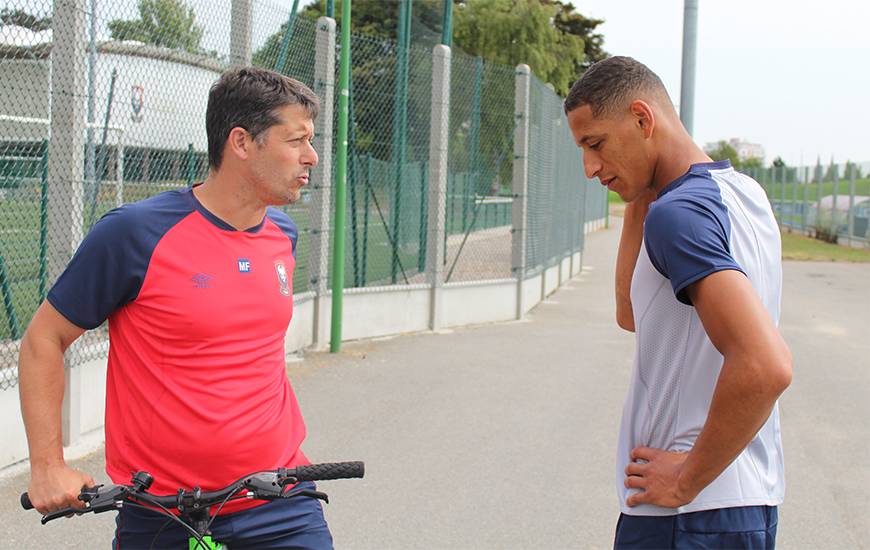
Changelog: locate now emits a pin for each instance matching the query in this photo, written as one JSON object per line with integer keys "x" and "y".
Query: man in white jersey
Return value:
{"x": 698, "y": 279}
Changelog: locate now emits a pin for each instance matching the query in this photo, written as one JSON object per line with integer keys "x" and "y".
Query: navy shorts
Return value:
{"x": 293, "y": 523}
{"x": 743, "y": 527}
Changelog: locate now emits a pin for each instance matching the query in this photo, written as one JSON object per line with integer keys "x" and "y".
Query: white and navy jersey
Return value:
{"x": 710, "y": 219}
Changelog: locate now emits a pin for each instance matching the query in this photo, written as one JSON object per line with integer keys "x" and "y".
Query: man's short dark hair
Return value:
{"x": 609, "y": 85}
{"x": 248, "y": 97}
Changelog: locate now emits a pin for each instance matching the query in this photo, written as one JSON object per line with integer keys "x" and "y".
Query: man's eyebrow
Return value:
{"x": 302, "y": 132}
{"x": 585, "y": 139}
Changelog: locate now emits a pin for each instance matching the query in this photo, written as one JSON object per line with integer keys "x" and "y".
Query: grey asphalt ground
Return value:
{"x": 503, "y": 436}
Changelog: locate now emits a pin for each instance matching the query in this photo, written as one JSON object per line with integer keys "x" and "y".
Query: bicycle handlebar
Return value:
{"x": 329, "y": 470}
{"x": 267, "y": 485}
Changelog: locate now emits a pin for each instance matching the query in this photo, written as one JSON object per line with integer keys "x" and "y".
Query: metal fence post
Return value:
{"x": 850, "y": 215}
{"x": 240, "y": 32}
{"x": 439, "y": 132}
{"x": 66, "y": 167}
{"x": 520, "y": 181}
{"x": 782, "y": 221}
{"x": 321, "y": 177}
{"x": 835, "y": 190}
{"x": 804, "y": 206}
{"x": 794, "y": 184}
{"x": 43, "y": 221}
{"x": 191, "y": 173}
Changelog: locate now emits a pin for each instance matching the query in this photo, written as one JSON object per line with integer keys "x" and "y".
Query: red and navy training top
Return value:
{"x": 197, "y": 392}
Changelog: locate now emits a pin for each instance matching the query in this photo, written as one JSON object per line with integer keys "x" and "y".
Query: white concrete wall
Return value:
{"x": 14, "y": 446}
{"x": 93, "y": 388}
{"x": 532, "y": 292}
{"x": 551, "y": 280}
{"x": 468, "y": 304}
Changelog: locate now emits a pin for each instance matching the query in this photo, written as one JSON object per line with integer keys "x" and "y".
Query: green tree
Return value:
{"x": 751, "y": 162}
{"x": 852, "y": 166}
{"x": 556, "y": 41}
{"x": 832, "y": 172}
{"x": 21, "y": 18}
{"x": 570, "y": 22}
{"x": 509, "y": 32}
{"x": 724, "y": 151}
{"x": 167, "y": 23}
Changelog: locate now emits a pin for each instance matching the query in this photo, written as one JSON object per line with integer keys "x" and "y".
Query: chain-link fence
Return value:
{"x": 831, "y": 203}
{"x": 129, "y": 103}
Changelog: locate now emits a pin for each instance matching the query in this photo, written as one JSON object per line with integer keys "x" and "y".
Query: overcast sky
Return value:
{"x": 793, "y": 76}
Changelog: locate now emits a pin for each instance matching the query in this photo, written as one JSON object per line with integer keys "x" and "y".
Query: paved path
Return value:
{"x": 503, "y": 436}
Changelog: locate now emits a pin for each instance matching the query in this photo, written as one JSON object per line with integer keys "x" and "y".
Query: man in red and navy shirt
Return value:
{"x": 196, "y": 286}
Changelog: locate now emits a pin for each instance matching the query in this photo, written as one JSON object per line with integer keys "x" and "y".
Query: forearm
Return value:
{"x": 41, "y": 388}
{"x": 629, "y": 247}
{"x": 740, "y": 406}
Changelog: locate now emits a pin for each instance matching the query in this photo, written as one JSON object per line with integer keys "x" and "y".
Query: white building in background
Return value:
{"x": 745, "y": 150}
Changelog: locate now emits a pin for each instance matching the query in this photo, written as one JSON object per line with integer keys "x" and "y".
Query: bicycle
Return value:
{"x": 194, "y": 505}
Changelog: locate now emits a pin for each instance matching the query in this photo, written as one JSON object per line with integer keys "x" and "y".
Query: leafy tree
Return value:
{"x": 570, "y": 22}
{"x": 558, "y": 43}
{"x": 167, "y": 23}
{"x": 751, "y": 162}
{"x": 21, "y": 18}
{"x": 724, "y": 151}
{"x": 509, "y": 32}
{"x": 852, "y": 166}
{"x": 832, "y": 172}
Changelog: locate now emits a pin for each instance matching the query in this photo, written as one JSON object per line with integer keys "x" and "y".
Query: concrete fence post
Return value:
{"x": 322, "y": 179}
{"x": 241, "y": 18}
{"x": 520, "y": 181}
{"x": 438, "y": 152}
{"x": 66, "y": 168}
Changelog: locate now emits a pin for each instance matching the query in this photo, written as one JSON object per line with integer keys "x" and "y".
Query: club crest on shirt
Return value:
{"x": 281, "y": 270}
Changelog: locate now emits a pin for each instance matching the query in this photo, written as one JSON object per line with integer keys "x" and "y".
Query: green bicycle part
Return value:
{"x": 193, "y": 544}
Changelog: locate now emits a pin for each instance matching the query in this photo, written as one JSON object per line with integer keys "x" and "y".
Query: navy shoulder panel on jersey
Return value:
{"x": 108, "y": 269}
{"x": 687, "y": 231}
{"x": 285, "y": 224}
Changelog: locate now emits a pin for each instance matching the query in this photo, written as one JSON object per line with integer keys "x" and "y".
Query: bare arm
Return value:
{"x": 626, "y": 258}
{"x": 53, "y": 485}
{"x": 757, "y": 368}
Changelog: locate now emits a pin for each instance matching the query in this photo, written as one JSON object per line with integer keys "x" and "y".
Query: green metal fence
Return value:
{"x": 142, "y": 97}
{"x": 831, "y": 203}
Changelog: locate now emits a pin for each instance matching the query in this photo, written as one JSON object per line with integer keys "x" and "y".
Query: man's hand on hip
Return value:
{"x": 658, "y": 478}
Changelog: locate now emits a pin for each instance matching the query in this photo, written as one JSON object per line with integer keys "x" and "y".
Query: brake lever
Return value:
{"x": 111, "y": 498}
{"x": 306, "y": 493}
{"x": 63, "y": 513}
{"x": 264, "y": 485}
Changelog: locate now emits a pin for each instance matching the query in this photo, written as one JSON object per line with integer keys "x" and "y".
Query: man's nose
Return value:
{"x": 591, "y": 164}
{"x": 310, "y": 158}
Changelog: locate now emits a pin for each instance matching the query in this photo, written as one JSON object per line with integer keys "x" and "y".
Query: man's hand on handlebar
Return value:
{"x": 57, "y": 486}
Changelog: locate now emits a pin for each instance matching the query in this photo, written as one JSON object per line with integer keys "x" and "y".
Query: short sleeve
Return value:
{"x": 105, "y": 273}
{"x": 687, "y": 239}
{"x": 286, "y": 225}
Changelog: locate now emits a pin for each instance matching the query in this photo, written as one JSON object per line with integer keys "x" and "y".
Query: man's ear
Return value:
{"x": 239, "y": 143}
{"x": 644, "y": 117}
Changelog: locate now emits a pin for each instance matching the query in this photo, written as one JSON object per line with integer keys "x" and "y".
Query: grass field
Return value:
{"x": 799, "y": 247}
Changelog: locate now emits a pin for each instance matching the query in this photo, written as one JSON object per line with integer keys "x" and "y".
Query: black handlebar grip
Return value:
{"x": 25, "y": 502}
{"x": 334, "y": 470}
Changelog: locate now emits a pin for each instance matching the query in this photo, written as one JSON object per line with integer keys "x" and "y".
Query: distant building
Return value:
{"x": 745, "y": 150}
